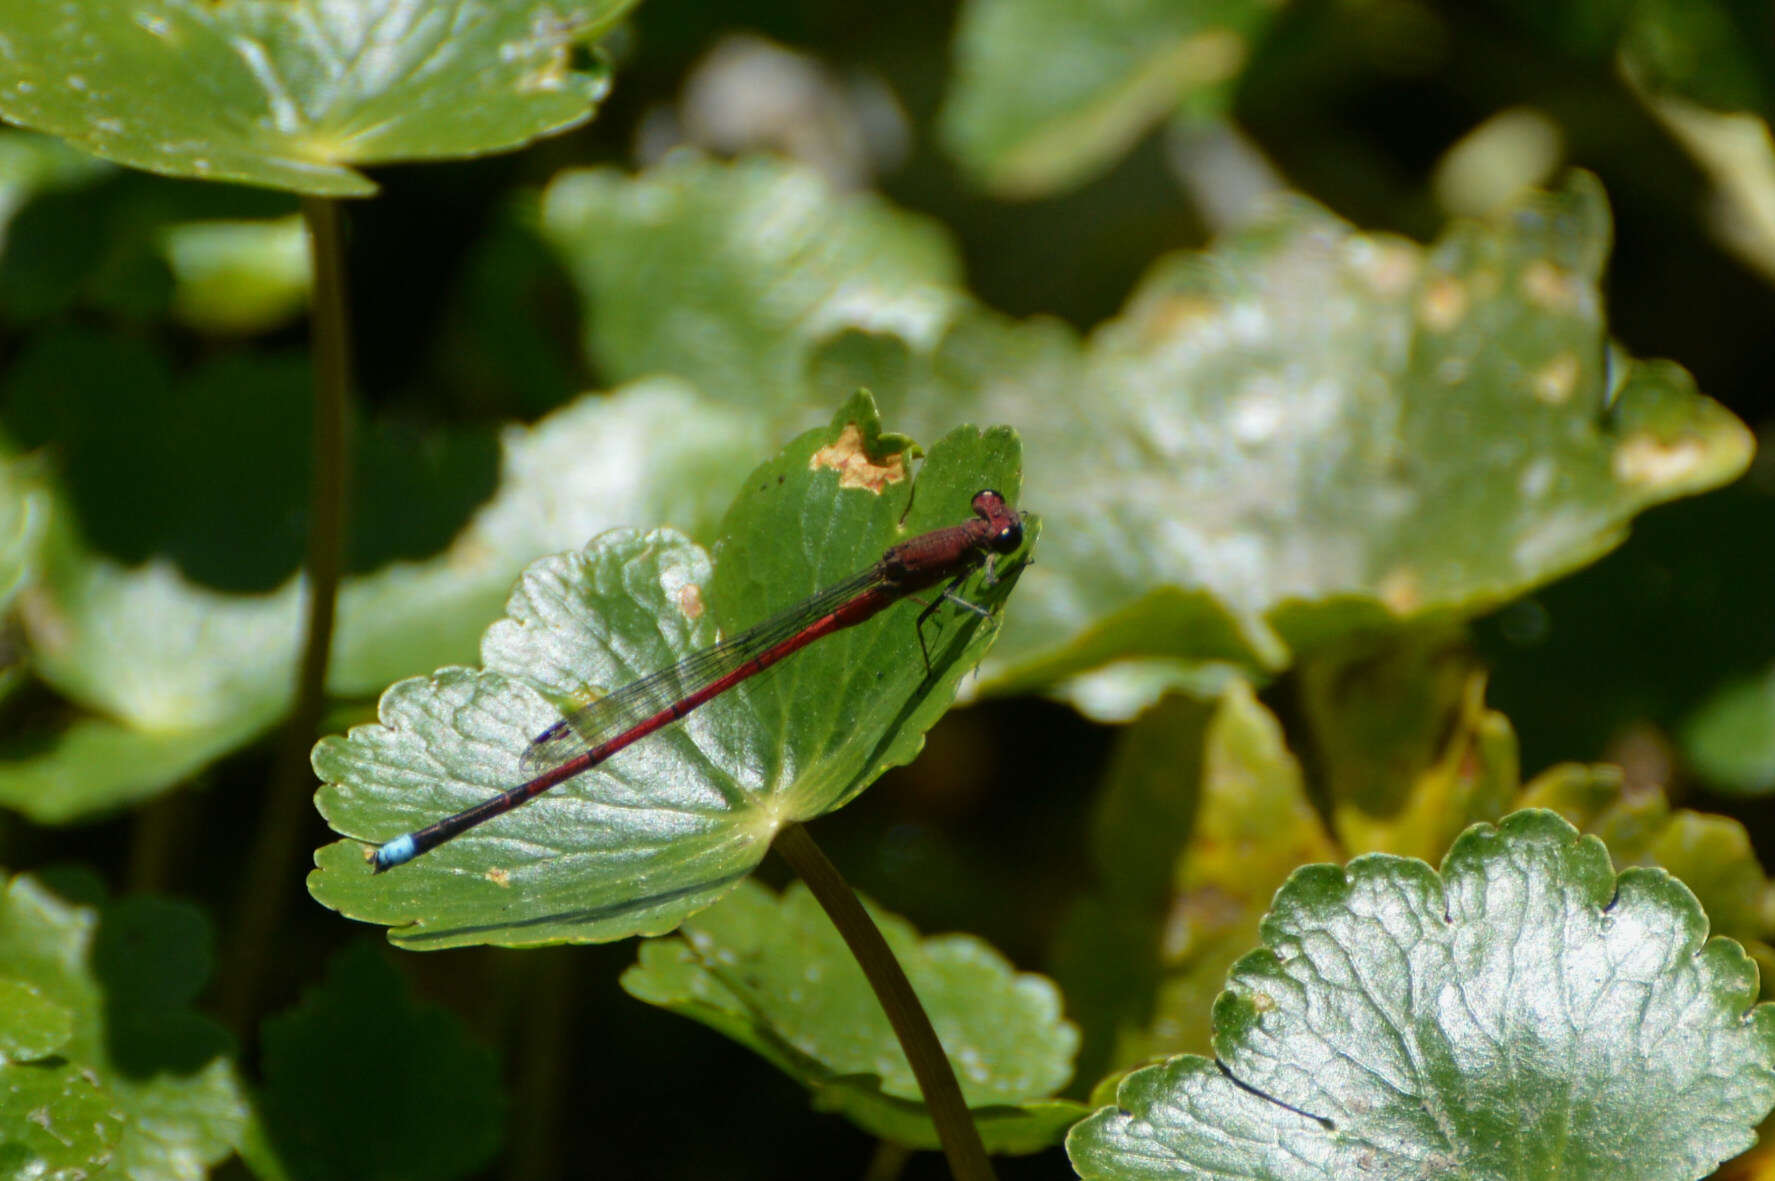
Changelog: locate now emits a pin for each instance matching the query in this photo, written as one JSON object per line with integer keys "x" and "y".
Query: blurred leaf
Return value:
{"x": 722, "y": 274}
{"x": 93, "y": 238}
{"x": 24, "y": 510}
{"x": 358, "y": 1057}
{"x": 1737, "y": 151}
{"x": 511, "y": 328}
{"x": 1715, "y": 52}
{"x": 1730, "y": 738}
{"x": 90, "y": 766}
{"x": 1048, "y": 93}
{"x": 290, "y": 95}
{"x": 31, "y": 1025}
{"x": 182, "y": 673}
{"x": 1202, "y": 818}
{"x": 1354, "y": 423}
{"x": 1303, "y": 432}
{"x": 1523, "y": 1014}
{"x": 1402, "y": 743}
{"x": 774, "y": 975}
{"x": 145, "y": 1084}
{"x": 208, "y": 468}
{"x": 238, "y": 277}
{"x": 31, "y": 163}
{"x": 1646, "y": 635}
{"x": 656, "y": 834}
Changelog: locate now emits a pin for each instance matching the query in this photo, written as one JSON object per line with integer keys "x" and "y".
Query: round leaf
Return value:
{"x": 670, "y": 824}
{"x": 1525, "y": 1013}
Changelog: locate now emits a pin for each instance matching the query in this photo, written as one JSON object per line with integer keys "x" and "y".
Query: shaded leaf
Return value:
{"x": 1523, "y": 1013}
{"x": 292, "y": 95}
{"x": 181, "y": 673}
{"x": 144, "y": 1082}
{"x": 1049, "y": 93}
{"x": 1402, "y": 743}
{"x": 1730, "y": 738}
{"x": 415, "y": 1071}
{"x": 666, "y": 828}
{"x": 1203, "y": 816}
{"x": 774, "y": 975}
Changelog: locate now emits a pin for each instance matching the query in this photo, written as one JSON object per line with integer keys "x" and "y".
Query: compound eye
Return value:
{"x": 1008, "y": 538}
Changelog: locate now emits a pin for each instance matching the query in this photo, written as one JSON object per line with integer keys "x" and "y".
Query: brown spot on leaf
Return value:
{"x": 849, "y": 457}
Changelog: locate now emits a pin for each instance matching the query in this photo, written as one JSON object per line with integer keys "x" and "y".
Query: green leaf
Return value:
{"x": 1525, "y": 1013}
{"x": 1716, "y": 52}
{"x": 774, "y": 975}
{"x": 420, "y": 1074}
{"x": 1402, "y": 741}
{"x": 1487, "y": 441}
{"x": 292, "y": 95}
{"x": 1203, "y": 816}
{"x": 32, "y": 1026}
{"x": 238, "y": 277}
{"x": 143, "y": 1082}
{"x": 658, "y": 833}
{"x": 1048, "y": 93}
{"x": 180, "y": 673}
{"x": 56, "y": 1121}
{"x": 24, "y": 509}
{"x": 1730, "y": 737}
{"x": 1301, "y": 433}
{"x": 91, "y": 766}
{"x": 722, "y": 273}
{"x": 1713, "y": 855}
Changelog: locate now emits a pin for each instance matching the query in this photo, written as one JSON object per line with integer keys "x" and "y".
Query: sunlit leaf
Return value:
{"x": 1524, "y": 1013}
{"x": 238, "y": 277}
{"x": 1713, "y": 855}
{"x": 774, "y": 975}
{"x": 671, "y": 825}
{"x": 1300, "y": 433}
{"x": 293, "y": 95}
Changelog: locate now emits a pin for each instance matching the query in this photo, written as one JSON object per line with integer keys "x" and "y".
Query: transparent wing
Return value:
{"x": 616, "y": 713}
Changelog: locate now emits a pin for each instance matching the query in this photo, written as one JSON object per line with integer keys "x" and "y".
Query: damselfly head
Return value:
{"x": 1005, "y": 522}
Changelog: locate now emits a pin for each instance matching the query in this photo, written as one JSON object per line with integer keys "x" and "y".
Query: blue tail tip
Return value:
{"x": 396, "y": 852}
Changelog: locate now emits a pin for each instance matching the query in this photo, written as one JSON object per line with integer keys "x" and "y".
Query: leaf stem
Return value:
{"x": 265, "y": 894}
{"x": 936, "y": 1079}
